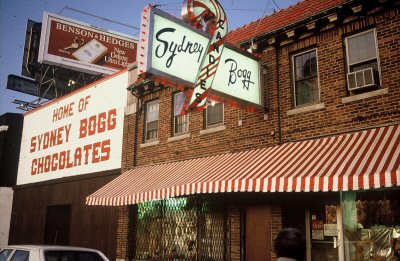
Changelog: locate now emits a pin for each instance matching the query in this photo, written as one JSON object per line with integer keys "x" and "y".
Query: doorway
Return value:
{"x": 320, "y": 222}
{"x": 322, "y": 233}
{"x": 258, "y": 233}
{"x": 57, "y": 228}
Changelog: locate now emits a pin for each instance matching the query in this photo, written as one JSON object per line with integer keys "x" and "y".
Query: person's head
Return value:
{"x": 290, "y": 242}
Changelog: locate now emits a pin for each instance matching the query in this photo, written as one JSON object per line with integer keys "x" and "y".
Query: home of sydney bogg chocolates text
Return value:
{"x": 89, "y": 153}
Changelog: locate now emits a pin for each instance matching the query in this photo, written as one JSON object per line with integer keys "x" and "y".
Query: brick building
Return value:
{"x": 322, "y": 155}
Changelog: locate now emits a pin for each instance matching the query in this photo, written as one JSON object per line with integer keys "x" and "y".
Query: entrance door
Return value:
{"x": 323, "y": 233}
{"x": 57, "y": 228}
{"x": 258, "y": 233}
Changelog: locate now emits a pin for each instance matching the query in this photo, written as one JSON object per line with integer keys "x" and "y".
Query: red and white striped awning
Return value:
{"x": 359, "y": 160}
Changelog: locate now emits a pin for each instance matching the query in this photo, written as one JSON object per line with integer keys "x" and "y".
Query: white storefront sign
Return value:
{"x": 77, "y": 134}
{"x": 174, "y": 50}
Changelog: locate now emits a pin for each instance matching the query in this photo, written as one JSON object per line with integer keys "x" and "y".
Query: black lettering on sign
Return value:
{"x": 168, "y": 47}
{"x": 235, "y": 73}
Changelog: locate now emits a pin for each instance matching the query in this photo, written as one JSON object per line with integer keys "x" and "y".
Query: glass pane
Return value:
{"x": 307, "y": 91}
{"x": 87, "y": 256}
{"x": 4, "y": 254}
{"x": 181, "y": 122}
{"x": 323, "y": 229}
{"x": 362, "y": 66}
{"x": 55, "y": 256}
{"x": 299, "y": 73}
{"x": 152, "y": 111}
{"x": 152, "y": 130}
{"x": 20, "y": 255}
{"x": 215, "y": 114}
{"x": 305, "y": 65}
{"x": 179, "y": 100}
{"x": 362, "y": 47}
{"x": 371, "y": 222}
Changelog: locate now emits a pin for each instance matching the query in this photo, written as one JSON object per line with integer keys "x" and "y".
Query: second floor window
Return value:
{"x": 362, "y": 61}
{"x": 181, "y": 122}
{"x": 152, "y": 115}
{"x": 214, "y": 114}
{"x": 305, "y": 75}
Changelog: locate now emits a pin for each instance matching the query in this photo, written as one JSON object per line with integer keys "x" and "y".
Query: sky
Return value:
{"x": 14, "y": 15}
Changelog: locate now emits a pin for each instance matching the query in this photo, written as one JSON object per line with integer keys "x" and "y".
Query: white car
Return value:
{"x": 50, "y": 253}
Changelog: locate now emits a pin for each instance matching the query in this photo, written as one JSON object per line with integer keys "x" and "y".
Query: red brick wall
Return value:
{"x": 276, "y": 226}
{"x": 336, "y": 116}
{"x": 122, "y": 233}
{"x": 235, "y": 233}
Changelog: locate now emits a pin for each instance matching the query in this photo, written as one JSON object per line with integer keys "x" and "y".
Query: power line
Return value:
{"x": 99, "y": 17}
{"x": 276, "y": 5}
{"x": 259, "y": 21}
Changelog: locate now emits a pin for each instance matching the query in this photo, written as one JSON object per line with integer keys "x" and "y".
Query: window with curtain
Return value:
{"x": 181, "y": 122}
{"x": 305, "y": 75}
{"x": 152, "y": 115}
{"x": 214, "y": 114}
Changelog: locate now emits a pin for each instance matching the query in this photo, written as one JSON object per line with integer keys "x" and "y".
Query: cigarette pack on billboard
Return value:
{"x": 82, "y": 47}
{"x": 91, "y": 52}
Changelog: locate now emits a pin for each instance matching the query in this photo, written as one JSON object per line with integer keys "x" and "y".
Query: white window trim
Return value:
{"x": 306, "y": 108}
{"x": 365, "y": 95}
{"x": 180, "y": 137}
{"x": 173, "y": 127}
{"x": 213, "y": 128}
{"x": 348, "y": 65}
{"x": 294, "y": 77}
{"x": 158, "y": 124}
{"x": 217, "y": 124}
{"x": 150, "y": 143}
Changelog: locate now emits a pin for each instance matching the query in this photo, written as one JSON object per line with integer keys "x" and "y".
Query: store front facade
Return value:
{"x": 340, "y": 191}
{"x": 320, "y": 156}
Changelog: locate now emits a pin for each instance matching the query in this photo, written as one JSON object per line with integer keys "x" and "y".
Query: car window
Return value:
{"x": 20, "y": 255}
{"x": 59, "y": 256}
{"x": 72, "y": 256}
{"x": 5, "y": 253}
{"x": 89, "y": 256}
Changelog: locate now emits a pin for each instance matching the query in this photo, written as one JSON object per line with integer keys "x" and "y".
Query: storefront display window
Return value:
{"x": 181, "y": 229}
{"x": 371, "y": 224}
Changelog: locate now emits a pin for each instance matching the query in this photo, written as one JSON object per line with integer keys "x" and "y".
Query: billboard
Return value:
{"x": 175, "y": 50}
{"x": 31, "y": 48}
{"x": 77, "y": 134}
{"x": 83, "y": 47}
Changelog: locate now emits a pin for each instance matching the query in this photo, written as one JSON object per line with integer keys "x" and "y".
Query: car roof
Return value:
{"x": 49, "y": 247}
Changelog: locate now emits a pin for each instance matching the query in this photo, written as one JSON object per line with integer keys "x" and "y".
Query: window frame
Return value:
{"x": 146, "y": 122}
{"x": 293, "y": 73}
{"x": 348, "y": 65}
{"x": 174, "y": 132}
{"x": 207, "y": 125}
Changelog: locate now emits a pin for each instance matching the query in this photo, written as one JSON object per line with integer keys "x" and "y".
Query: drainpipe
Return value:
{"x": 137, "y": 118}
{"x": 278, "y": 92}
